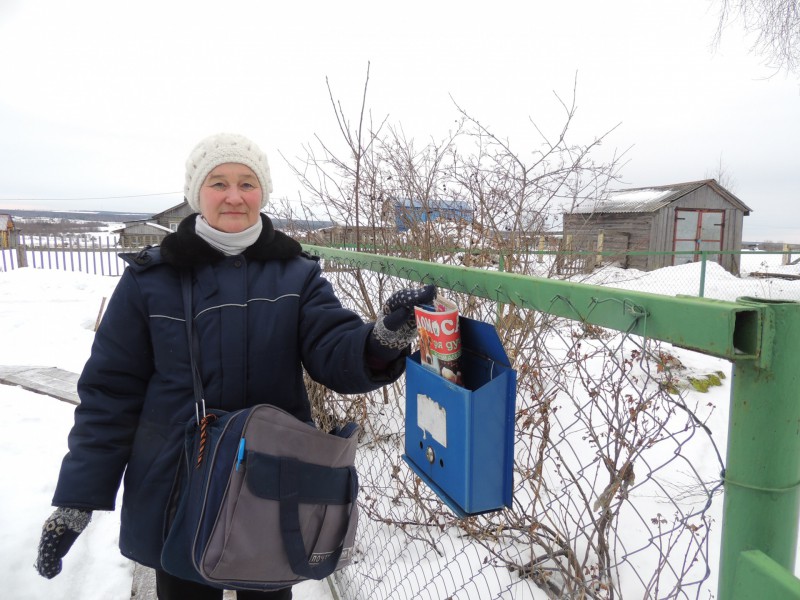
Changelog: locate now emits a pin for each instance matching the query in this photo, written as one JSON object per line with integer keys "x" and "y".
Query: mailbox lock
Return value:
{"x": 430, "y": 455}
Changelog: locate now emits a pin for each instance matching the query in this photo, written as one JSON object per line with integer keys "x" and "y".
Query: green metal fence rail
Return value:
{"x": 762, "y": 477}
{"x": 588, "y": 261}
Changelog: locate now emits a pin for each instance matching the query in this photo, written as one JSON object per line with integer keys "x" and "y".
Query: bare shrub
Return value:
{"x": 604, "y": 501}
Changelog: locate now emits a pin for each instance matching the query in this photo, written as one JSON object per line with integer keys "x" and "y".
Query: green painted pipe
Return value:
{"x": 762, "y": 477}
{"x": 725, "y": 329}
{"x": 758, "y": 577}
{"x": 703, "y": 257}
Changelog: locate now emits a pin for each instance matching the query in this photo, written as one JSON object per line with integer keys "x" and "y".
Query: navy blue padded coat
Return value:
{"x": 260, "y": 317}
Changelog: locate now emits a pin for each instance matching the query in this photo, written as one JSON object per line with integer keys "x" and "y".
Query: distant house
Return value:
{"x": 406, "y": 211}
{"x": 137, "y": 234}
{"x": 693, "y": 217}
{"x": 6, "y": 227}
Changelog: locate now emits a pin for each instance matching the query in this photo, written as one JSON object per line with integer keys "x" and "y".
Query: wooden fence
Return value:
{"x": 98, "y": 255}
{"x": 95, "y": 255}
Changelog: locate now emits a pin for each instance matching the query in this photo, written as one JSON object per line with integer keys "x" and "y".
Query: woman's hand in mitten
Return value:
{"x": 396, "y": 328}
{"x": 60, "y": 531}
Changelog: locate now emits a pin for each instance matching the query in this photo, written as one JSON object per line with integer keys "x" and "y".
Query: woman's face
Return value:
{"x": 230, "y": 198}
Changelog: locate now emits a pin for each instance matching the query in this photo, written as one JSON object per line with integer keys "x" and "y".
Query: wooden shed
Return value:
{"x": 137, "y": 234}
{"x": 694, "y": 216}
{"x": 6, "y": 227}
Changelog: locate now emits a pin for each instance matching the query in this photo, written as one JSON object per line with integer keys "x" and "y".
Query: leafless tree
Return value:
{"x": 775, "y": 25}
{"x": 723, "y": 175}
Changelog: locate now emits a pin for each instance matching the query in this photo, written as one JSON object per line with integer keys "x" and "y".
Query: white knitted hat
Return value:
{"x": 223, "y": 148}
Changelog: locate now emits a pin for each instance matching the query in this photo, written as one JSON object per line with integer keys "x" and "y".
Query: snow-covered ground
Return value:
{"x": 47, "y": 319}
{"x": 717, "y": 283}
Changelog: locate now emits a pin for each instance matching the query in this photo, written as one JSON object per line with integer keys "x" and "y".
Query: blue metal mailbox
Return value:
{"x": 460, "y": 440}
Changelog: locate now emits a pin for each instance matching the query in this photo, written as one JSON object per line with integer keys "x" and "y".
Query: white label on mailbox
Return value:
{"x": 432, "y": 419}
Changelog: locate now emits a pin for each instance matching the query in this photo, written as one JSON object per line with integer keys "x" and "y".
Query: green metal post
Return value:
{"x": 500, "y": 267}
{"x": 702, "y": 273}
{"x": 759, "y": 577}
{"x": 762, "y": 478}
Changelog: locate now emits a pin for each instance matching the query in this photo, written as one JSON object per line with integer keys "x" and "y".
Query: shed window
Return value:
{"x": 696, "y": 231}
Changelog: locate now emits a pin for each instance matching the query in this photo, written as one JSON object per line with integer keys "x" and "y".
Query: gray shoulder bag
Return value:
{"x": 264, "y": 500}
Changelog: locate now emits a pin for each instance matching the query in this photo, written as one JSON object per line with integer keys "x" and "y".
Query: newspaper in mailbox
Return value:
{"x": 440, "y": 339}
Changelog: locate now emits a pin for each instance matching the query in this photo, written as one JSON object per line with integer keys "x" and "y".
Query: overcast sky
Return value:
{"x": 102, "y": 99}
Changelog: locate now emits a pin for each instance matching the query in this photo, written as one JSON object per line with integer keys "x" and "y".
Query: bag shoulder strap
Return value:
{"x": 291, "y": 531}
{"x": 194, "y": 345}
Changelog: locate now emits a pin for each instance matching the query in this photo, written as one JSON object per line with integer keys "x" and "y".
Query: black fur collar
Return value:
{"x": 184, "y": 248}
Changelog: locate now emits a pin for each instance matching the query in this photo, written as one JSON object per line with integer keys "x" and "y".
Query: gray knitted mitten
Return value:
{"x": 397, "y": 327}
{"x": 60, "y": 531}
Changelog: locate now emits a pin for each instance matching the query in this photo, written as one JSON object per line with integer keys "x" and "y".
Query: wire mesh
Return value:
{"x": 615, "y": 470}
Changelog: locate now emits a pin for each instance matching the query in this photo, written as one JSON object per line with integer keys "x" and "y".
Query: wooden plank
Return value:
{"x": 51, "y": 381}
{"x": 788, "y": 276}
{"x": 144, "y": 583}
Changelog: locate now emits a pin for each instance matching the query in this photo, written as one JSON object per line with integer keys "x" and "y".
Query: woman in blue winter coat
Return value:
{"x": 262, "y": 313}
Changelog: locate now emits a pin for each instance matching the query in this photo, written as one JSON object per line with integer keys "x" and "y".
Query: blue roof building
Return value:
{"x": 408, "y": 211}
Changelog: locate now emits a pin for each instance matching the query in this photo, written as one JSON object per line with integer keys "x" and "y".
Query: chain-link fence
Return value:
{"x": 617, "y": 466}
{"x": 618, "y": 444}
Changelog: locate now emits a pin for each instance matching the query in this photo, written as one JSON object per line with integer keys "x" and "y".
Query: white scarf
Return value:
{"x": 227, "y": 243}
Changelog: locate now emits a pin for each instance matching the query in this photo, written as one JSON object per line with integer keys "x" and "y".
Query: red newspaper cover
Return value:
{"x": 440, "y": 339}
